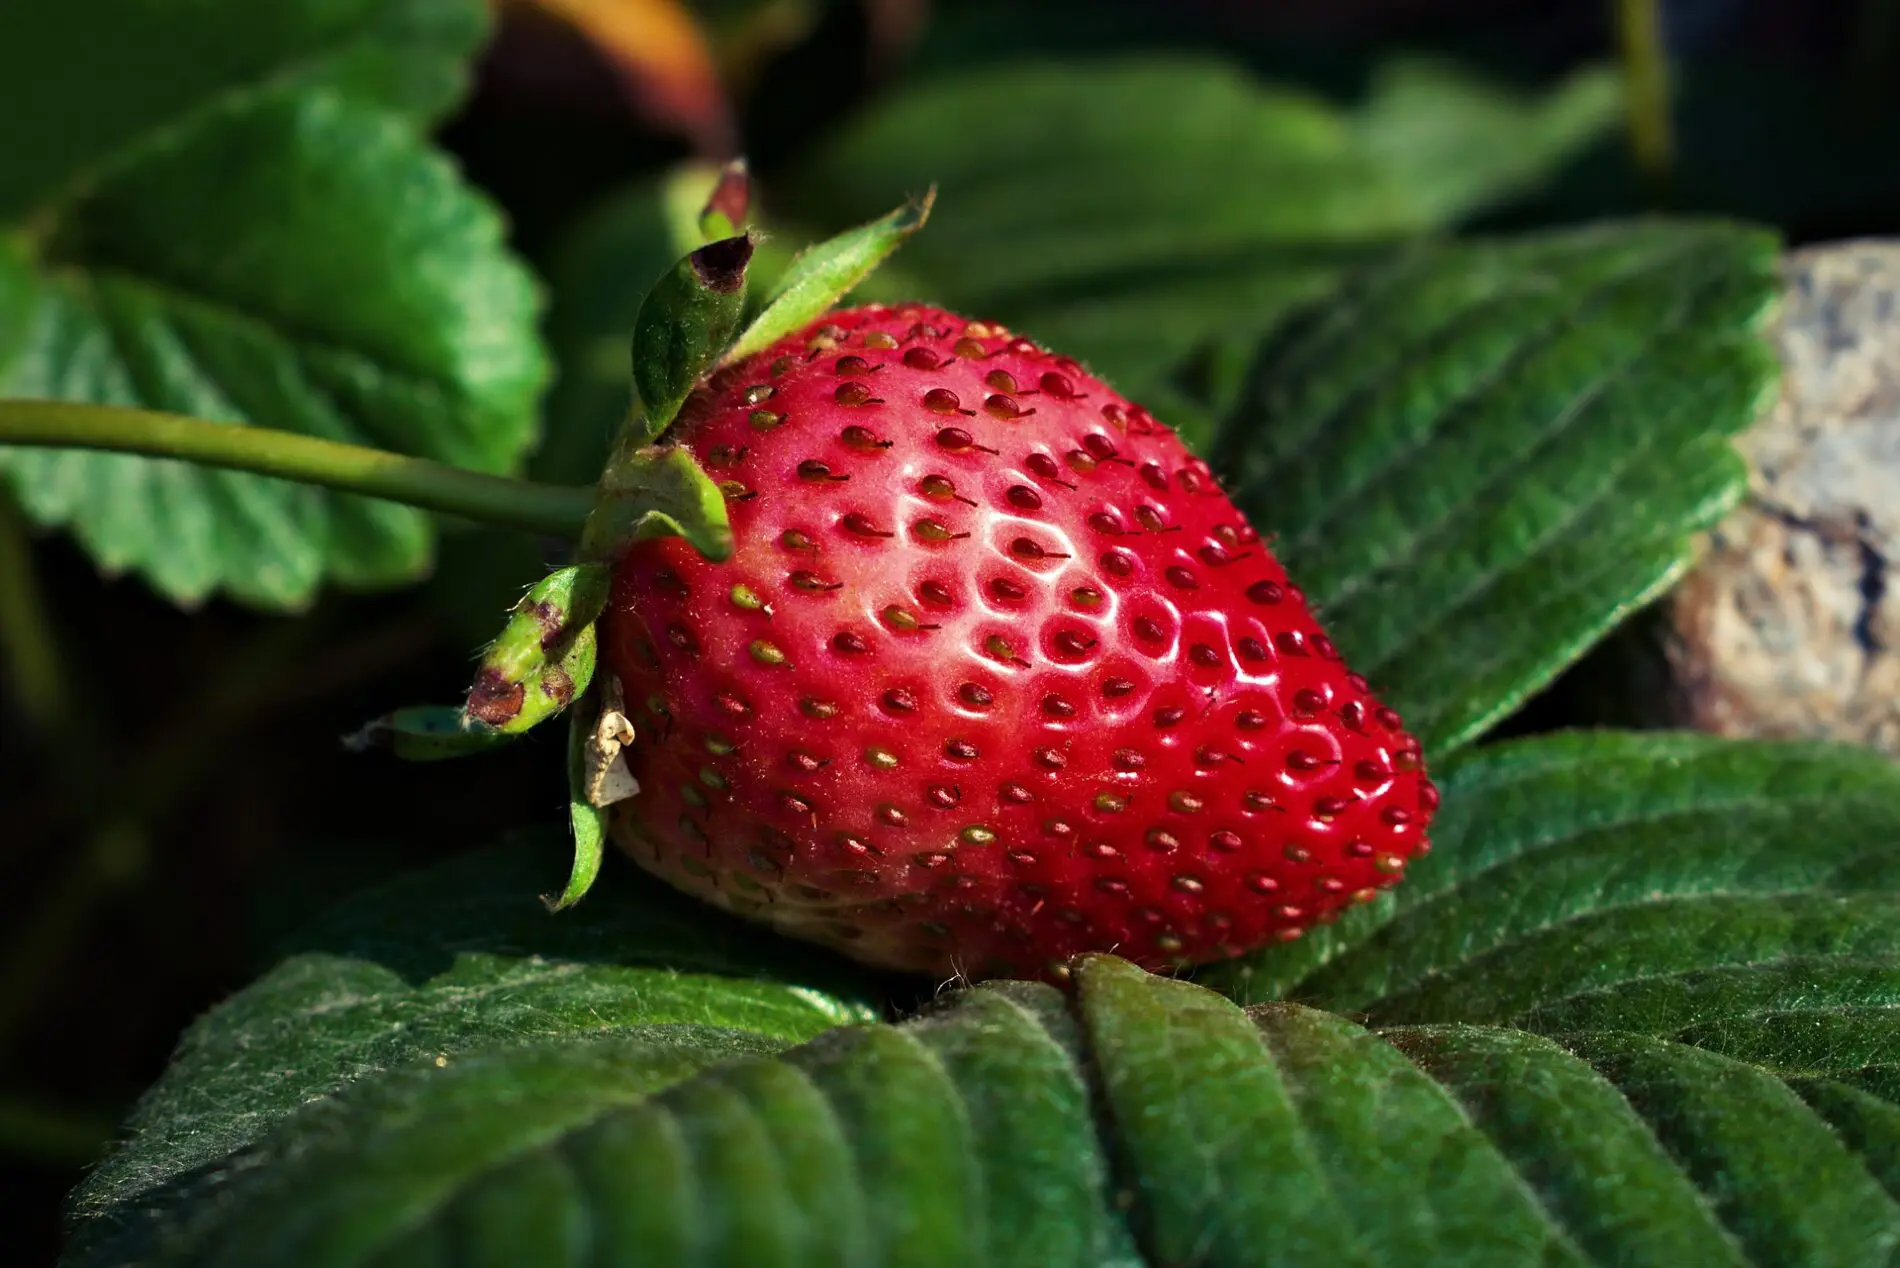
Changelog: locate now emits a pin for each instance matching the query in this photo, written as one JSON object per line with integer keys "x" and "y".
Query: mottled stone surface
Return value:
{"x": 1790, "y": 625}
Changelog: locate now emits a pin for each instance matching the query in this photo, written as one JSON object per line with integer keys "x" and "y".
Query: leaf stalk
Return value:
{"x": 1646, "y": 70}
{"x": 559, "y": 510}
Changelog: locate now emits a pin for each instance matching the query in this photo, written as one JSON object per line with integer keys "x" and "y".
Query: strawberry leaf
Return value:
{"x": 1304, "y": 1138}
{"x": 963, "y": 1139}
{"x": 263, "y": 250}
{"x": 1478, "y": 459}
{"x": 452, "y": 1073}
{"x": 1703, "y": 930}
{"x": 1788, "y": 1188}
{"x": 1564, "y": 1127}
{"x": 432, "y": 971}
{"x": 1202, "y": 1120}
{"x": 1672, "y": 851}
{"x": 90, "y": 85}
{"x": 1160, "y": 204}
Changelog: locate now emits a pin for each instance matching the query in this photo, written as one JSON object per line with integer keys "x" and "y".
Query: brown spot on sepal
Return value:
{"x": 494, "y": 700}
{"x": 557, "y": 685}
{"x": 551, "y": 620}
{"x": 720, "y": 266}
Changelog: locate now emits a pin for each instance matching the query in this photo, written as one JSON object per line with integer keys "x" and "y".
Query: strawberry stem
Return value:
{"x": 1646, "y": 71}
{"x": 29, "y": 646}
{"x": 377, "y": 473}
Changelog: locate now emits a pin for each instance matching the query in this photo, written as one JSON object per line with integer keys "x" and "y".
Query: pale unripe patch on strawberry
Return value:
{"x": 995, "y": 675}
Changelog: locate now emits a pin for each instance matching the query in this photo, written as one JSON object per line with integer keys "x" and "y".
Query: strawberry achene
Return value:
{"x": 996, "y": 674}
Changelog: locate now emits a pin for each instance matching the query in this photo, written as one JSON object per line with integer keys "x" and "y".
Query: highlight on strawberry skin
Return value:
{"x": 996, "y": 674}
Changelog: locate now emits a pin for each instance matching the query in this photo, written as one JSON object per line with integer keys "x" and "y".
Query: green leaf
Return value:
{"x": 296, "y": 262}
{"x": 1701, "y": 930}
{"x": 1478, "y": 459}
{"x": 1163, "y": 203}
{"x": 1014, "y": 1052}
{"x": 1485, "y": 1147}
{"x": 1418, "y": 1182}
{"x": 447, "y": 965}
{"x": 1801, "y": 1014}
{"x": 1566, "y": 1129}
{"x": 1570, "y": 866}
{"x": 493, "y": 1159}
{"x": 821, "y": 275}
{"x": 1454, "y": 142}
{"x": 1789, "y": 1188}
{"x": 892, "y": 1146}
{"x": 90, "y": 86}
{"x": 1710, "y": 927}
{"x": 962, "y": 1139}
{"x": 1207, "y": 1128}
{"x": 684, "y": 325}
{"x": 1869, "y": 1123}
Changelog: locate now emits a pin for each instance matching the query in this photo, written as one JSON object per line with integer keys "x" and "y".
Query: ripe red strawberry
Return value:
{"x": 995, "y": 675}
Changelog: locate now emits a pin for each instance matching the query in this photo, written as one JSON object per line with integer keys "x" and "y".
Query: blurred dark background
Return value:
{"x": 194, "y": 805}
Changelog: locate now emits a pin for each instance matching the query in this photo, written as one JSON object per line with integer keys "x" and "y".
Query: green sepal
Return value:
{"x": 656, "y": 491}
{"x": 729, "y": 203}
{"x": 684, "y": 324}
{"x": 822, "y": 275}
{"x": 427, "y": 733}
{"x": 544, "y": 656}
{"x": 589, "y": 821}
{"x": 597, "y": 777}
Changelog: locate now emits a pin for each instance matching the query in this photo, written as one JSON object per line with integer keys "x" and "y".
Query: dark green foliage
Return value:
{"x": 1478, "y": 459}
{"x": 1635, "y": 972}
{"x": 445, "y": 966}
{"x": 1635, "y": 1007}
{"x": 1706, "y": 1104}
{"x": 1161, "y": 204}
{"x": 237, "y": 218}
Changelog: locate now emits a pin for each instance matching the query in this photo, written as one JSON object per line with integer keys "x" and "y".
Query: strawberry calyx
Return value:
{"x": 656, "y": 491}
{"x": 542, "y": 663}
{"x": 684, "y": 325}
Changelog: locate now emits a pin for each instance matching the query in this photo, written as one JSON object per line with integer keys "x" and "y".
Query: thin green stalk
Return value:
{"x": 34, "y": 675}
{"x": 28, "y": 647}
{"x": 1646, "y": 68}
{"x": 432, "y": 486}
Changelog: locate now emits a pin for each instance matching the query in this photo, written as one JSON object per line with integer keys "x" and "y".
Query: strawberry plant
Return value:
{"x": 1046, "y": 684}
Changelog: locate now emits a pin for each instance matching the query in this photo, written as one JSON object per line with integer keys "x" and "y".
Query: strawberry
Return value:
{"x": 996, "y": 673}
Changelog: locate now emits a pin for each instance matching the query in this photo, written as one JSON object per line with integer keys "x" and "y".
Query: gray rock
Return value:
{"x": 1790, "y": 624}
